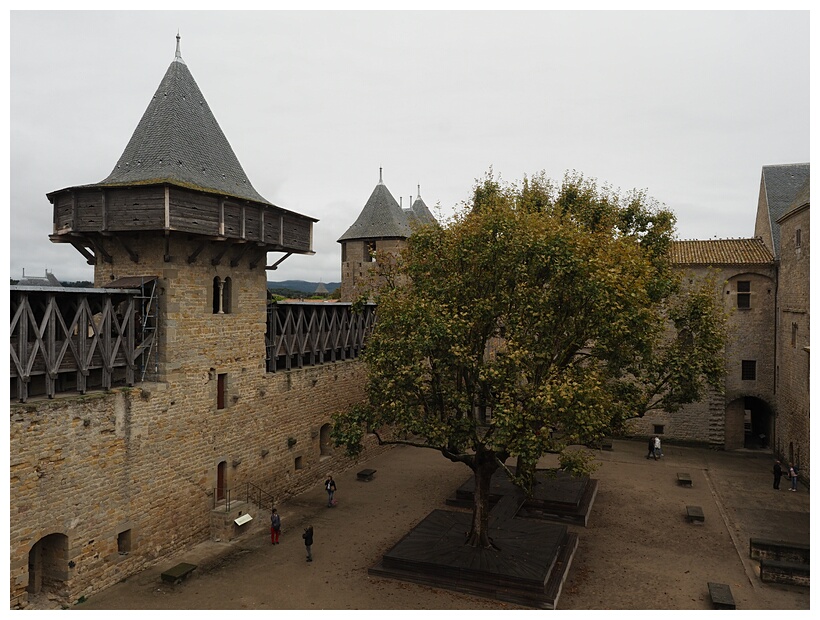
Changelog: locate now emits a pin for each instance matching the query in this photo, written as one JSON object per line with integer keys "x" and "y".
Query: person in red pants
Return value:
{"x": 275, "y": 527}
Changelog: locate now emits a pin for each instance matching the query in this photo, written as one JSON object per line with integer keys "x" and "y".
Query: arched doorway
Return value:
{"x": 325, "y": 445}
{"x": 748, "y": 424}
{"x": 48, "y": 565}
{"x": 759, "y": 430}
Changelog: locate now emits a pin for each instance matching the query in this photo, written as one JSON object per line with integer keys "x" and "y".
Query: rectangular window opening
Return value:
{"x": 798, "y": 238}
{"x": 221, "y": 381}
{"x": 744, "y": 294}
{"x": 297, "y": 463}
{"x": 748, "y": 370}
{"x": 658, "y": 429}
{"x": 124, "y": 542}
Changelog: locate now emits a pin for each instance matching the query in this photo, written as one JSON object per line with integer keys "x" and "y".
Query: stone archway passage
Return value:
{"x": 748, "y": 424}
{"x": 48, "y": 564}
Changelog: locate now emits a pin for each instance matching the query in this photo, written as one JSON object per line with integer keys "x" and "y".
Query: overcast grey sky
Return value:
{"x": 687, "y": 105}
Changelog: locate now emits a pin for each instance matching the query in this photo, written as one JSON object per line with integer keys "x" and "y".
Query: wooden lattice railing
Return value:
{"x": 307, "y": 334}
{"x": 75, "y": 339}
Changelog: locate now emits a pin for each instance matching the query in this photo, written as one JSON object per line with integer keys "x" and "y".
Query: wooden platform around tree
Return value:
{"x": 557, "y": 496}
{"x": 528, "y": 567}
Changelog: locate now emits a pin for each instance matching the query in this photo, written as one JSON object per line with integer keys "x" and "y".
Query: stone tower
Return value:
{"x": 179, "y": 208}
{"x": 377, "y": 235}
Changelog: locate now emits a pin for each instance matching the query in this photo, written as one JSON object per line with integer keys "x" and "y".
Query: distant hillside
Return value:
{"x": 292, "y": 287}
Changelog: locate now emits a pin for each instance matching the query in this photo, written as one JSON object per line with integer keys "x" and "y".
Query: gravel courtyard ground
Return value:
{"x": 637, "y": 552}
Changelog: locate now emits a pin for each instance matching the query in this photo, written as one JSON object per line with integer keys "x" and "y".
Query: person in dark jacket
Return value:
{"x": 778, "y": 473}
{"x": 275, "y": 527}
{"x": 308, "y": 536}
{"x": 651, "y": 452}
{"x": 330, "y": 487}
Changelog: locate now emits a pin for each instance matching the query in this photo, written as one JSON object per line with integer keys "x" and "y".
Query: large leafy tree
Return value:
{"x": 541, "y": 316}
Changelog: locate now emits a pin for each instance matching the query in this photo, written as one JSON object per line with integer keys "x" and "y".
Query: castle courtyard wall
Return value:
{"x": 140, "y": 465}
{"x": 144, "y": 459}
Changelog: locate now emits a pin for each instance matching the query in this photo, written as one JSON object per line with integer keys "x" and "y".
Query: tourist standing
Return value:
{"x": 657, "y": 450}
{"x": 308, "y": 536}
{"x": 777, "y": 470}
{"x": 330, "y": 487}
{"x": 651, "y": 447}
{"x": 793, "y": 476}
{"x": 275, "y": 527}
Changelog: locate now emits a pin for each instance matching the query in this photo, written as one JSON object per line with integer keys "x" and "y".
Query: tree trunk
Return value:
{"x": 485, "y": 467}
{"x": 525, "y": 470}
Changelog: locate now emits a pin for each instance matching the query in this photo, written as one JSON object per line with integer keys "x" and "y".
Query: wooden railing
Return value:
{"x": 75, "y": 339}
{"x": 307, "y": 334}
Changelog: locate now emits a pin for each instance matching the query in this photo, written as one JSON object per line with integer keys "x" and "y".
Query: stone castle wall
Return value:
{"x": 718, "y": 418}
{"x": 141, "y": 464}
{"x": 793, "y": 402}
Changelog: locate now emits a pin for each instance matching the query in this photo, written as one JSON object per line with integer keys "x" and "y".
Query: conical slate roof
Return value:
{"x": 382, "y": 217}
{"x": 420, "y": 210}
{"x": 178, "y": 141}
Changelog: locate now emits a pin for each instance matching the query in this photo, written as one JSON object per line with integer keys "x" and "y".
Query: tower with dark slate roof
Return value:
{"x": 377, "y": 235}
{"x": 178, "y": 179}
{"x": 420, "y": 211}
{"x": 179, "y": 209}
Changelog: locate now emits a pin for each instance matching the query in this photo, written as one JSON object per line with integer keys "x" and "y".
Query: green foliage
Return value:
{"x": 540, "y": 316}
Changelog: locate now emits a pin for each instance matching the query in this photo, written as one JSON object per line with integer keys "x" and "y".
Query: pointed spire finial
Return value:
{"x": 418, "y": 197}
{"x": 380, "y": 176}
{"x": 178, "y": 55}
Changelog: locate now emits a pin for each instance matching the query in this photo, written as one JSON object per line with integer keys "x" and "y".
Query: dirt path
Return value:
{"x": 638, "y": 552}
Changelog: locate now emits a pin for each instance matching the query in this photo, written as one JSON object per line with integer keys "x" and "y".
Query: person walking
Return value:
{"x": 330, "y": 487}
{"x": 308, "y": 536}
{"x": 793, "y": 476}
{"x": 777, "y": 470}
{"x": 275, "y": 527}
{"x": 657, "y": 449}
{"x": 651, "y": 447}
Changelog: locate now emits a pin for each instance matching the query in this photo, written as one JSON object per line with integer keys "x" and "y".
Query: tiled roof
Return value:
{"x": 720, "y": 252}
{"x": 178, "y": 141}
{"x": 381, "y": 217}
{"x": 781, "y": 183}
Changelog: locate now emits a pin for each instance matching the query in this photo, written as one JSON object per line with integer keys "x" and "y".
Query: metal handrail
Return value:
{"x": 255, "y": 494}
{"x": 227, "y": 497}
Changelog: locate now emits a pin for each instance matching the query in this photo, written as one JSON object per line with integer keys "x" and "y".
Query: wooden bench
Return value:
{"x": 694, "y": 513}
{"x": 684, "y": 479}
{"x": 721, "y": 595}
{"x": 366, "y": 475}
{"x": 606, "y": 444}
{"x": 178, "y": 572}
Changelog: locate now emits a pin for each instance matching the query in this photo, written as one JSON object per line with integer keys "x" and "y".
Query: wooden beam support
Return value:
{"x": 238, "y": 256}
{"x": 89, "y": 257}
{"x": 132, "y": 255}
{"x": 275, "y": 265}
{"x": 197, "y": 252}
{"x": 217, "y": 260}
